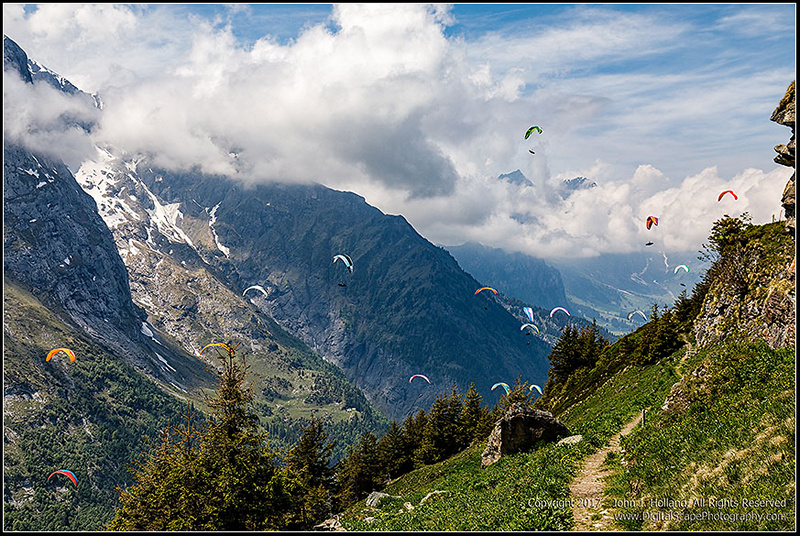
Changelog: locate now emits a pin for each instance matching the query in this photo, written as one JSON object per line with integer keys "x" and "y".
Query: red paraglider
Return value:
{"x": 64, "y": 472}
{"x": 736, "y": 197}
{"x": 651, "y": 220}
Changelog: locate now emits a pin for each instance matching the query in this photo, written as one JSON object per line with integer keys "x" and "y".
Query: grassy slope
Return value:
{"x": 728, "y": 434}
{"x": 734, "y": 441}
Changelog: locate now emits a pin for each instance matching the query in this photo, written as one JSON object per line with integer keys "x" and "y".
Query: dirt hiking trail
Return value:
{"x": 589, "y": 512}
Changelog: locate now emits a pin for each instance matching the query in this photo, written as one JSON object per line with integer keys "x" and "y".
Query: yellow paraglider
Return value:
{"x": 222, "y": 344}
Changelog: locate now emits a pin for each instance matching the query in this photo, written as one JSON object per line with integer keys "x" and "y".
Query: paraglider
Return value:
{"x": 630, "y": 315}
{"x": 503, "y": 385}
{"x": 419, "y": 376}
{"x": 537, "y": 388}
{"x": 228, "y": 348}
{"x": 530, "y": 151}
{"x": 485, "y": 288}
{"x": 67, "y": 351}
{"x": 681, "y": 266}
{"x": 256, "y": 287}
{"x": 649, "y": 244}
{"x": 558, "y": 309}
{"x": 530, "y": 131}
{"x": 735, "y": 197}
{"x": 651, "y": 220}
{"x": 528, "y": 312}
{"x": 529, "y": 325}
{"x": 69, "y": 475}
{"x": 346, "y": 260}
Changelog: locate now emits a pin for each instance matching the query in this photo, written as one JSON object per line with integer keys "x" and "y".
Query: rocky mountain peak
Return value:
{"x": 15, "y": 59}
{"x": 784, "y": 115}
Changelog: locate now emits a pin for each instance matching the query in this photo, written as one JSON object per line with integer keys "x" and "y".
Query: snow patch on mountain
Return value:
{"x": 97, "y": 178}
{"x": 213, "y": 215}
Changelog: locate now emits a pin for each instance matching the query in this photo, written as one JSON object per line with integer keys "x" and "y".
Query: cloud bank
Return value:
{"x": 380, "y": 100}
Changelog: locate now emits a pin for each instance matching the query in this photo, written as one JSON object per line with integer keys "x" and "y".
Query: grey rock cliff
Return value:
{"x": 784, "y": 114}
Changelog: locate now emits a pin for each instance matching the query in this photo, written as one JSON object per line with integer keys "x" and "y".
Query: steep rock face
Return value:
{"x": 56, "y": 243}
{"x": 784, "y": 114}
{"x": 406, "y": 308}
{"x": 196, "y": 303}
{"x": 15, "y": 59}
{"x": 755, "y": 298}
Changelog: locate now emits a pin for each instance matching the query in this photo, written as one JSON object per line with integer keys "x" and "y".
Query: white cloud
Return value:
{"x": 378, "y": 100}
{"x": 46, "y": 120}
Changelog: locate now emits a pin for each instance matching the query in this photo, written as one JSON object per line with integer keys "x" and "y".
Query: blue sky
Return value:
{"x": 419, "y": 108}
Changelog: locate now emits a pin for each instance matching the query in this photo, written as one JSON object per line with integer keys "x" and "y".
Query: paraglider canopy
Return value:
{"x": 529, "y": 326}
{"x": 486, "y": 288}
{"x": 530, "y": 131}
{"x": 534, "y": 386}
{"x": 64, "y": 472}
{"x": 558, "y": 309}
{"x": 528, "y": 312}
{"x": 503, "y": 385}
{"x": 346, "y": 260}
{"x": 681, "y": 266}
{"x": 735, "y": 197}
{"x": 651, "y": 220}
{"x": 630, "y": 315}
{"x": 419, "y": 376}
{"x": 67, "y": 351}
{"x": 649, "y": 244}
{"x": 222, "y": 344}
{"x": 256, "y": 287}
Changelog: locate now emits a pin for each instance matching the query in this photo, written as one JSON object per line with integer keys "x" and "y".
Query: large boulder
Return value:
{"x": 520, "y": 429}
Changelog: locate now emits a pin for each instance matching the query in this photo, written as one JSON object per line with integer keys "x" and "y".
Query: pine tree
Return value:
{"x": 519, "y": 394}
{"x": 394, "y": 452}
{"x": 308, "y": 462}
{"x": 476, "y": 419}
{"x": 360, "y": 473}
{"x": 168, "y": 494}
{"x": 414, "y": 431}
{"x": 440, "y": 437}
{"x": 565, "y": 355}
{"x": 221, "y": 478}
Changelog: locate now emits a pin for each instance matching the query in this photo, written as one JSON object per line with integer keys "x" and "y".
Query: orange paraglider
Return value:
{"x": 67, "y": 351}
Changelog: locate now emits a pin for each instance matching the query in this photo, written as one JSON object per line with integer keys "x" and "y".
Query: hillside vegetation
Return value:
{"x": 715, "y": 450}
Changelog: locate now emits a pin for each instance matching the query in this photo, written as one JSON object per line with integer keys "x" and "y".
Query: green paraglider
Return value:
{"x": 530, "y": 131}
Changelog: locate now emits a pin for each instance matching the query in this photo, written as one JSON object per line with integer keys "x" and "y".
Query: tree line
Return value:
{"x": 223, "y": 475}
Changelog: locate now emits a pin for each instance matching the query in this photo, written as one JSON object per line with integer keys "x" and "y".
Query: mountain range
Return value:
{"x": 138, "y": 268}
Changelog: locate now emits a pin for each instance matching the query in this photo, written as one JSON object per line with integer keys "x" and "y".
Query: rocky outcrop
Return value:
{"x": 755, "y": 297}
{"x": 332, "y": 524}
{"x": 784, "y": 115}
{"x": 374, "y": 499}
{"x": 520, "y": 429}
